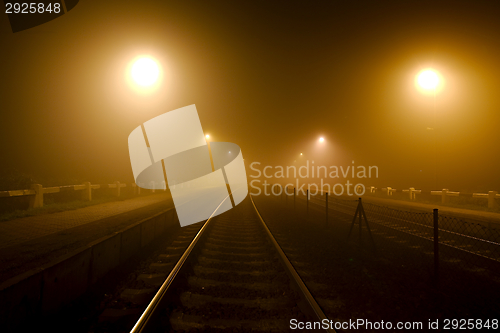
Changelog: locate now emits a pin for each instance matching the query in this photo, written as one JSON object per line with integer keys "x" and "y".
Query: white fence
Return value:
{"x": 444, "y": 193}
{"x": 37, "y": 191}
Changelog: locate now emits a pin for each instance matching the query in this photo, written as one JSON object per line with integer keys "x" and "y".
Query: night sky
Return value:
{"x": 270, "y": 76}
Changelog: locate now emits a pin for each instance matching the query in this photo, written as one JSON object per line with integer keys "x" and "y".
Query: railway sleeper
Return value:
{"x": 189, "y": 299}
{"x": 180, "y": 321}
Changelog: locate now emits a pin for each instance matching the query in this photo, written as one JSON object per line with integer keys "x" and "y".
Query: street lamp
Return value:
{"x": 321, "y": 139}
{"x": 144, "y": 74}
{"x": 145, "y": 71}
{"x": 428, "y": 81}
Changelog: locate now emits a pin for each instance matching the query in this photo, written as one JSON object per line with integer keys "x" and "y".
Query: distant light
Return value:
{"x": 145, "y": 71}
{"x": 207, "y": 136}
{"x": 321, "y": 139}
{"x": 300, "y": 154}
{"x": 428, "y": 79}
{"x": 229, "y": 152}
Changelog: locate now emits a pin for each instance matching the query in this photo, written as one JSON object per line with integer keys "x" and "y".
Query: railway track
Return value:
{"x": 338, "y": 272}
{"x": 231, "y": 277}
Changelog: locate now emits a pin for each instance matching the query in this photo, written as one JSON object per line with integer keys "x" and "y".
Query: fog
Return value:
{"x": 271, "y": 77}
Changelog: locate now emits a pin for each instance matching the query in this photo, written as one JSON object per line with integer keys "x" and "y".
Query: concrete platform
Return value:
{"x": 54, "y": 263}
{"x": 30, "y": 242}
{"x": 24, "y": 229}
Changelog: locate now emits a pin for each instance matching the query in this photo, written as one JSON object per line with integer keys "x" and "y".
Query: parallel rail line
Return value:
{"x": 236, "y": 255}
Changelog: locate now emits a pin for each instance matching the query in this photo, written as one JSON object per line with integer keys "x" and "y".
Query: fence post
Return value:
{"x": 87, "y": 192}
{"x": 491, "y": 198}
{"x": 436, "y": 245}
{"x": 444, "y": 197}
{"x": 360, "y": 221}
{"x": 294, "y": 198}
{"x": 326, "y": 205}
{"x": 307, "y": 201}
{"x": 117, "y": 183}
{"x": 37, "y": 199}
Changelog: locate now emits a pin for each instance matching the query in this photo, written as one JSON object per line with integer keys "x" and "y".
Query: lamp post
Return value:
{"x": 428, "y": 80}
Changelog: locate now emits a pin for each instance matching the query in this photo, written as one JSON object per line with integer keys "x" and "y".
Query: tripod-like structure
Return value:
{"x": 360, "y": 214}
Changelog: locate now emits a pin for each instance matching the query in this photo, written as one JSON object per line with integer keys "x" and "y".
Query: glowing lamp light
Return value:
{"x": 321, "y": 139}
{"x": 428, "y": 79}
{"x": 145, "y": 71}
{"x": 207, "y": 136}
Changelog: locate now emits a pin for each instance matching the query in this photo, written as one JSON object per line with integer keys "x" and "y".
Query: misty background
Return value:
{"x": 270, "y": 76}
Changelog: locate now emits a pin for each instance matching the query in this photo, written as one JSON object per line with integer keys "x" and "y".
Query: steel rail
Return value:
{"x": 313, "y": 307}
{"x": 140, "y": 325}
